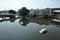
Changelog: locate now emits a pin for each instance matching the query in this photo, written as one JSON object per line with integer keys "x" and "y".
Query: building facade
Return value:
{"x": 40, "y": 12}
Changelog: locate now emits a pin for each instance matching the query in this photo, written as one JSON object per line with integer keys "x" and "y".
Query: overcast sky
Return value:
{"x": 30, "y": 4}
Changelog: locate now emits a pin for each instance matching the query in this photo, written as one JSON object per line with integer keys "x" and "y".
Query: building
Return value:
{"x": 40, "y": 12}
{"x": 4, "y": 12}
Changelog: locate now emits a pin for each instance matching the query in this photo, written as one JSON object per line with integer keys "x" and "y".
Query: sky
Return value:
{"x": 30, "y": 4}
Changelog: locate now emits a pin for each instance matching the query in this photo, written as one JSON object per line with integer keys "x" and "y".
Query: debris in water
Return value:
{"x": 43, "y": 31}
{"x": 21, "y": 22}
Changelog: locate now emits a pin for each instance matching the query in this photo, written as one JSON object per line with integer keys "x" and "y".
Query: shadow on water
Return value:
{"x": 24, "y": 21}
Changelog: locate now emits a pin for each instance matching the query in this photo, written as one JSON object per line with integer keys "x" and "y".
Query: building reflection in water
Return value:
{"x": 42, "y": 21}
{"x": 57, "y": 24}
{"x": 11, "y": 19}
{"x": 24, "y": 21}
{"x": 46, "y": 22}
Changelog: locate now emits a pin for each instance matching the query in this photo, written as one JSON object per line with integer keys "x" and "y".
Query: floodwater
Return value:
{"x": 28, "y": 29}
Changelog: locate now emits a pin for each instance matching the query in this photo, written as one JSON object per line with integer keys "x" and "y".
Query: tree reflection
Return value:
{"x": 24, "y": 21}
{"x": 1, "y": 21}
{"x": 12, "y": 19}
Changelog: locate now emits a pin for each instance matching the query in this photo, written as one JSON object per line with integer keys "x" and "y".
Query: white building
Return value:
{"x": 40, "y": 12}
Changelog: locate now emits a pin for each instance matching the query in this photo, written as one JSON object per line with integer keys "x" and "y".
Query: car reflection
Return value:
{"x": 24, "y": 21}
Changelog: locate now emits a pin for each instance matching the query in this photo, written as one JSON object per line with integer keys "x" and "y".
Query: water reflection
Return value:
{"x": 11, "y": 19}
{"x": 1, "y": 21}
{"x": 57, "y": 24}
{"x": 16, "y": 31}
{"x": 43, "y": 21}
{"x": 24, "y": 21}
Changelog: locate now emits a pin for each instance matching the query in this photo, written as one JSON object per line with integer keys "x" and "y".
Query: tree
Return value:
{"x": 12, "y": 12}
{"x": 23, "y": 11}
